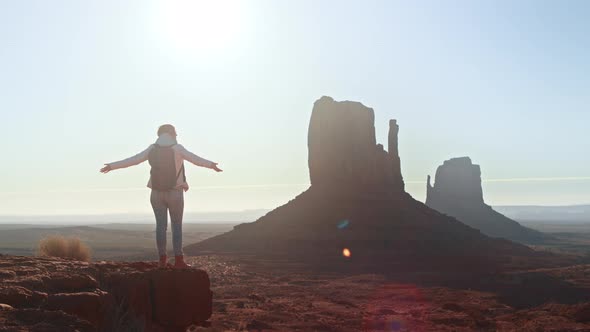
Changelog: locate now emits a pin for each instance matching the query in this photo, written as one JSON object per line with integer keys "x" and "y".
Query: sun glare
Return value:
{"x": 201, "y": 25}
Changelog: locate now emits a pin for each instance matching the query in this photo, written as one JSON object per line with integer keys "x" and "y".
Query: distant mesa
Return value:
{"x": 357, "y": 201}
{"x": 457, "y": 191}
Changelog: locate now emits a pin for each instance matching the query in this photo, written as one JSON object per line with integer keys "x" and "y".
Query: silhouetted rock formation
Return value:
{"x": 343, "y": 153}
{"x": 457, "y": 191}
{"x": 103, "y": 296}
{"x": 357, "y": 201}
{"x": 457, "y": 179}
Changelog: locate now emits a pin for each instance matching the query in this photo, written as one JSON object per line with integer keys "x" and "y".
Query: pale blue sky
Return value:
{"x": 88, "y": 82}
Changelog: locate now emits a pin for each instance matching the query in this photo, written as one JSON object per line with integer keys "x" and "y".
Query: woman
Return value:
{"x": 168, "y": 182}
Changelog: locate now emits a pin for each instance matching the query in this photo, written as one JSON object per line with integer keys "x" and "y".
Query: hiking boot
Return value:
{"x": 179, "y": 263}
{"x": 163, "y": 262}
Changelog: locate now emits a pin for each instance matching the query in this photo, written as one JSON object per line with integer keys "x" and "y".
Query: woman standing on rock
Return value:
{"x": 167, "y": 181}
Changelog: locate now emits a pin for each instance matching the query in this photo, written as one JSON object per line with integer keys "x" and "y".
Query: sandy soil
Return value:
{"x": 260, "y": 295}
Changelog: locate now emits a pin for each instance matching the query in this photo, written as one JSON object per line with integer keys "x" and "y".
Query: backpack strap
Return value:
{"x": 181, "y": 170}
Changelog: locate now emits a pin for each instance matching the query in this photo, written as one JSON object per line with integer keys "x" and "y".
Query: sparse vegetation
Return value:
{"x": 121, "y": 319}
{"x": 59, "y": 246}
{"x": 108, "y": 242}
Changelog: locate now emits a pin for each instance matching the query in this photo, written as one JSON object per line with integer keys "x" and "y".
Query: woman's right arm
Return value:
{"x": 131, "y": 161}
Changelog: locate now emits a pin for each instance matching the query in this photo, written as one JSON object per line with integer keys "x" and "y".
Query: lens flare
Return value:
{"x": 343, "y": 224}
{"x": 346, "y": 252}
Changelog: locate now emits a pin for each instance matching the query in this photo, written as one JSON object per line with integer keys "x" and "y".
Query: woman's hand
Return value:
{"x": 215, "y": 168}
{"x": 107, "y": 168}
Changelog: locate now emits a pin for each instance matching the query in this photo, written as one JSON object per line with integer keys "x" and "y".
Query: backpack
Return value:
{"x": 163, "y": 173}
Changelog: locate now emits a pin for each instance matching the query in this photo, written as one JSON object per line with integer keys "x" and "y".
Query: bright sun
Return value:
{"x": 201, "y": 24}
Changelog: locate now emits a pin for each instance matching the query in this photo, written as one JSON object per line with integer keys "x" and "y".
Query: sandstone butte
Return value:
{"x": 458, "y": 192}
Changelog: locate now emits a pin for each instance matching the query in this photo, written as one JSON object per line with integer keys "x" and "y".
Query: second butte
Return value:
{"x": 457, "y": 191}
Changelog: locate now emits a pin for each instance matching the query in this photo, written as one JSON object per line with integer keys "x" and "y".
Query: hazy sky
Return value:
{"x": 83, "y": 83}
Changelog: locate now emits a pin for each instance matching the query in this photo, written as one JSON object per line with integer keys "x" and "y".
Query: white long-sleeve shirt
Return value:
{"x": 180, "y": 155}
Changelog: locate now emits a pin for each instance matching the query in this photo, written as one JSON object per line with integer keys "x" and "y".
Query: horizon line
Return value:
{"x": 278, "y": 185}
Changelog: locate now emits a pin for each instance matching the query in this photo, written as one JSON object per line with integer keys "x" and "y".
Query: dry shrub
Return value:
{"x": 59, "y": 246}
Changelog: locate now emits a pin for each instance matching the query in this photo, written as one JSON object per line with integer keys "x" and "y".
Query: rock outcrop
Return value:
{"x": 103, "y": 296}
{"x": 357, "y": 201}
{"x": 343, "y": 153}
{"x": 457, "y": 192}
{"x": 29, "y": 320}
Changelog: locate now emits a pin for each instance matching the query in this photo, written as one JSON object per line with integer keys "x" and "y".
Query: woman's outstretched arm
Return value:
{"x": 131, "y": 161}
{"x": 193, "y": 158}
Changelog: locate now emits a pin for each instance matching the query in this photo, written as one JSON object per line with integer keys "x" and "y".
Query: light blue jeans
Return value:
{"x": 162, "y": 202}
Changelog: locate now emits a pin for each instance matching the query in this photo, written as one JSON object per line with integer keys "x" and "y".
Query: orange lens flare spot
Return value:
{"x": 346, "y": 252}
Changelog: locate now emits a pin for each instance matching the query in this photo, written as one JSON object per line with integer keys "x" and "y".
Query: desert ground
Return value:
{"x": 107, "y": 241}
{"x": 251, "y": 294}
{"x": 258, "y": 295}
{"x": 572, "y": 237}
{"x": 125, "y": 241}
